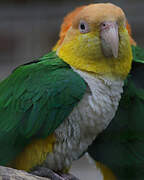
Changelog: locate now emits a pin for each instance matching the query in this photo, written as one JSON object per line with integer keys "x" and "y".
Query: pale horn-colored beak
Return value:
{"x": 110, "y": 39}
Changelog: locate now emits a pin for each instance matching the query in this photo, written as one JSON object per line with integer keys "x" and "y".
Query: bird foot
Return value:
{"x": 45, "y": 172}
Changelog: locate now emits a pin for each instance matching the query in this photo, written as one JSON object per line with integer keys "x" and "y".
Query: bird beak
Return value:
{"x": 110, "y": 38}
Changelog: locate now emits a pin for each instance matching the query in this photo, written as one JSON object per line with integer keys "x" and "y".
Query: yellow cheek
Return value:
{"x": 86, "y": 46}
{"x": 84, "y": 52}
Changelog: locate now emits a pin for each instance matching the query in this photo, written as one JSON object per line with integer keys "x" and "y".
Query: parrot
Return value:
{"x": 53, "y": 108}
{"x": 121, "y": 139}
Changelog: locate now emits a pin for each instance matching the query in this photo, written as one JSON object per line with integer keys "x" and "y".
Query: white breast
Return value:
{"x": 90, "y": 117}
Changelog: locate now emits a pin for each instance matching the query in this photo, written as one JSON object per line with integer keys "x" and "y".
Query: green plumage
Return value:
{"x": 34, "y": 100}
{"x": 121, "y": 145}
{"x": 38, "y": 96}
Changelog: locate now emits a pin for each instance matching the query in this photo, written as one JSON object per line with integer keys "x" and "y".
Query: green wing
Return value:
{"x": 34, "y": 100}
{"x": 121, "y": 145}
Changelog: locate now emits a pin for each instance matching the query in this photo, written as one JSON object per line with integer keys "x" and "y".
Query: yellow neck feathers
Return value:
{"x": 84, "y": 52}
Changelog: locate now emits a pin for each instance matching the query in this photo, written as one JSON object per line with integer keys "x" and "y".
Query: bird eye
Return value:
{"x": 84, "y": 27}
{"x": 103, "y": 24}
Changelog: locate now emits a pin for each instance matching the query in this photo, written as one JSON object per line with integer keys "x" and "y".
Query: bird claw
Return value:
{"x": 45, "y": 172}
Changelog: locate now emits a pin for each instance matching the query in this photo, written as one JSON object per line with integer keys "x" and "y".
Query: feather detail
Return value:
{"x": 121, "y": 146}
{"x": 34, "y": 154}
{"x": 35, "y": 99}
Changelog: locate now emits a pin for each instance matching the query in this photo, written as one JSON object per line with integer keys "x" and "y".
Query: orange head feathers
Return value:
{"x": 67, "y": 22}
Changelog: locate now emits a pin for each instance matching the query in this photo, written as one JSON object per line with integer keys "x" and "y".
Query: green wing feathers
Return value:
{"x": 121, "y": 145}
{"x": 34, "y": 100}
{"x": 138, "y": 54}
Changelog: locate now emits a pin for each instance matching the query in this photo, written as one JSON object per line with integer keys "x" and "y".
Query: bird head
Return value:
{"x": 98, "y": 41}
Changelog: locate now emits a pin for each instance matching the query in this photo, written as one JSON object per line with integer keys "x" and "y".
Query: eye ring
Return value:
{"x": 83, "y": 27}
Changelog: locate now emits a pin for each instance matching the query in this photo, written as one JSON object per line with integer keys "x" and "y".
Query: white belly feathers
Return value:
{"x": 90, "y": 117}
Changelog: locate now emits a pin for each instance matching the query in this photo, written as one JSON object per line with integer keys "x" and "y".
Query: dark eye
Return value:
{"x": 103, "y": 24}
{"x": 84, "y": 27}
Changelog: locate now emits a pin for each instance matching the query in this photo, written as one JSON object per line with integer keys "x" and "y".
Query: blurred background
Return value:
{"x": 29, "y": 29}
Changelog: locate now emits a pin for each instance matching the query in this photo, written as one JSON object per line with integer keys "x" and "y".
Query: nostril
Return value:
{"x": 104, "y": 25}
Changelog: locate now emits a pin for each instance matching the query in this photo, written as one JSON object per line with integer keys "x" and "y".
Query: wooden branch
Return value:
{"x": 13, "y": 174}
